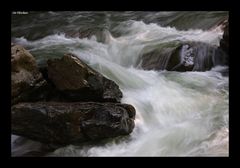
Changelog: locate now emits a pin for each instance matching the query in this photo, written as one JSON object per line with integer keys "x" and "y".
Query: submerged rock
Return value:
{"x": 71, "y": 123}
{"x": 88, "y": 32}
{"x": 21, "y": 146}
{"x": 27, "y": 83}
{"x": 76, "y": 81}
{"x": 158, "y": 57}
{"x": 182, "y": 56}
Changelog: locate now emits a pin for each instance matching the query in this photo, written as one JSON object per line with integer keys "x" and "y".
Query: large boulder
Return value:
{"x": 181, "y": 56}
{"x": 71, "y": 123}
{"x": 27, "y": 83}
{"x": 76, "y": 81}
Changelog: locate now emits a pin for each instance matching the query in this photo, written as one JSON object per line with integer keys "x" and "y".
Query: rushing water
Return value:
{"x": 177, "y": 113}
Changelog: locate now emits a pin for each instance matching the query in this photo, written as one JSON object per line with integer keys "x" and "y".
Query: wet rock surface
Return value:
{"x": 76, "y": 81}
{"x": 71, "y": 123}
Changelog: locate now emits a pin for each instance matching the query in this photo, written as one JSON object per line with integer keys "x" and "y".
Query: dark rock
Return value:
{"x": 76, "y": 81}
{"x": 158, "y": 57}
{"x": 224, "y": 43}
{"x": 27, "y": 83}
{"x": 182, "y": 56}
{"x": 71, "y": 123}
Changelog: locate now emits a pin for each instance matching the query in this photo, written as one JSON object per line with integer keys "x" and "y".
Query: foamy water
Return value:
{"x": 177, "y": 114}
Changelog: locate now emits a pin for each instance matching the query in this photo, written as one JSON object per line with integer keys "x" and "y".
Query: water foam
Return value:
{"x": 176, "y": 112}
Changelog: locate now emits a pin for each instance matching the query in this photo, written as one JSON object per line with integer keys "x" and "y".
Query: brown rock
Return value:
{"x": 25, "y": 77}
{"x": 78, "y": 82}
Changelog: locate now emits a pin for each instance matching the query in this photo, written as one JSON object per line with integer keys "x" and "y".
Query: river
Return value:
{"x": 177, "y": 113}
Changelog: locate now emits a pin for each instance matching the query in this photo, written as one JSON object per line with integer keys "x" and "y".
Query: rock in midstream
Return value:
{"x": 71, "y": 123}
{"x": 76, "y": 81}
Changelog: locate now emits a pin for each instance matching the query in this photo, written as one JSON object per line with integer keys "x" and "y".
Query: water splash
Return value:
{"x": 178, "y": 114}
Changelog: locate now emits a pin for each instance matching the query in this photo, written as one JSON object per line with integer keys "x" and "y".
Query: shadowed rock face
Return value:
{"x": 224, "y": 43}
{"x": 71, "y": 123}
{"x": 182, "y": 56}
{"x": 78, "y": 82}
{"x": 27, "y": 83}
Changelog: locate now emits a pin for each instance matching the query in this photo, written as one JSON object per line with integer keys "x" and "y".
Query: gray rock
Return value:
{"x": 182, "y": 56}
